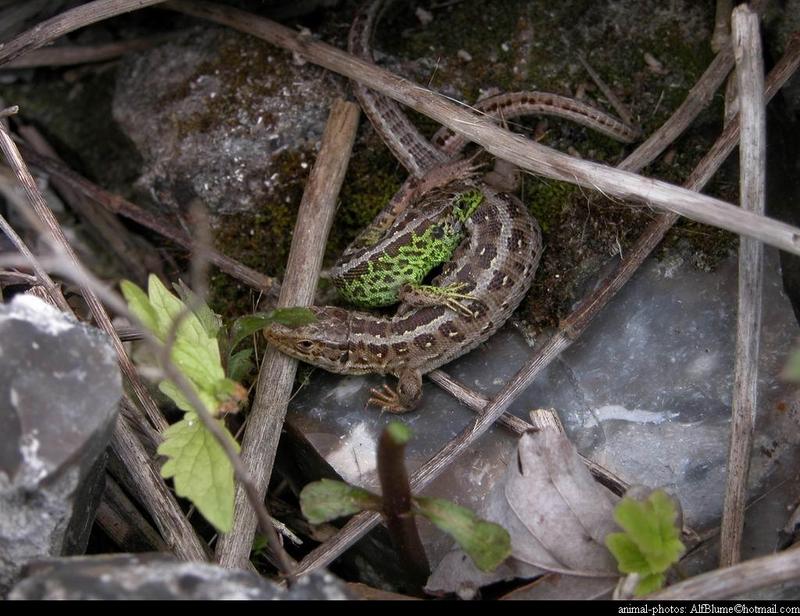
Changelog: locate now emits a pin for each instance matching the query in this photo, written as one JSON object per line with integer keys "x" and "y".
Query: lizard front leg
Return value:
{"x": 402, "y": 399}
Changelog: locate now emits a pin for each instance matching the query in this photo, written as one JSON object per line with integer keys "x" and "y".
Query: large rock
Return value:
{"x": 59, "y": 391}
{"x": 158, "y": 576}
{"x": 214, "y": 112}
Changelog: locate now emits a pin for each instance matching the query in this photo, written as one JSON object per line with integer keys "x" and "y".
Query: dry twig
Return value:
{"x": 123, "y": 207}
{"x": 68, "y": 21}
{"x": 752, "y": 173}
{"x": 736, "y": 580}
{"x": 81, "y": 54}
{"x": 276, "y": 376}
{"x": 503, "y": 144}
{"x": 572, "y": 326}
{"x": 54, "y": 235}
{"x": 161, "y": 504}
{"x": 121, "y": 521}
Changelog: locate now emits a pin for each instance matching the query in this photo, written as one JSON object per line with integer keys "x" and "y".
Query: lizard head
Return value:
{"x": 323, "y": 342}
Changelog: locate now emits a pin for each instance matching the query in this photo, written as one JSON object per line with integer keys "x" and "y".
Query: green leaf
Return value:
{"x": 649, "y": 583}
{"x": 296, "y": 316}
{"x": 240, "y": 365}
{"x": 651, "y": 542}
{"x": 260, "y": 543}
{"x": 249, "y": 324}
{"x": 325, "y": 500}
{"x": 399, "y": 432}
{"x": 195, "y": 352}
{"x": 169, "y": 389}
{"x": 210, "y": 320}
{"x": 139, "y": 304}
{"x": 200, "y": 469}
{"x": 629, "y": 557}
{"x": 486, "y": 543}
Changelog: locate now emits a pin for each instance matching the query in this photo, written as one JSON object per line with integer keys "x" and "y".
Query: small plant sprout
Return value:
{"x": 486, "y": 543}
{"x": 651, "y": 542}
{"x": 196, "y": 462}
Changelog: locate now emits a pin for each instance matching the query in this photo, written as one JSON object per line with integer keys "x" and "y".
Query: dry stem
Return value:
{"x": 68, "y": 21}
{"x": 277, "y": 373}
{"x": 752, "y": 173}
{"x": 514, "y": 148}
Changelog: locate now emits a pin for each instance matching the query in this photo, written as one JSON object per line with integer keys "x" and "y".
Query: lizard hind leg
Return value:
{"x": 450, "y": 296}
{"x": 402, "y": 399}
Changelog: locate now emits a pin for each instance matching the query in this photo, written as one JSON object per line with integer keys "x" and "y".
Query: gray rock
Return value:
{"x": 212, "y": 111}
{"x": 158, "y": 576}
{"x": 59, "y": 391}
{"x": 646, "y": 392}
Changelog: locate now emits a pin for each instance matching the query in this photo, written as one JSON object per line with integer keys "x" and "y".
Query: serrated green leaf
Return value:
{"x": 210, "y": 320}
{"x": 139, "y": 304}
{"x": 247, "y": 325}
{"x": 649, "y": 526}
{"x": 649, "y": 583}
{"x": 200, "y": 469}
{"x": 194, "y": 351}
{"x": 665, "y": 515}
{"x": 628, "y": 555}
{"x": 169, "y": 389}
{"x": 486, "y": 543}
{"x": 325, "y": 500}
{"x": 240, "y": 365}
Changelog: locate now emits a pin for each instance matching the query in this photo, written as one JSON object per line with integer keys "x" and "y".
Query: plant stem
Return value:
{"x": 396, "y": 493}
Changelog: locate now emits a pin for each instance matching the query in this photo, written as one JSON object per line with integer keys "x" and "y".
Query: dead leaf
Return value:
{"x": 555, "y": 512}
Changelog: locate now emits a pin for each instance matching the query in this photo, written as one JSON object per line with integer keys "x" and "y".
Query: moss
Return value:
{"x": 237, "y": 61}
{"x": 547, "y": 199}
{"x": 260, "y": 239}
{"x": 582, "y": 229}
{"x": 373, "y": 177}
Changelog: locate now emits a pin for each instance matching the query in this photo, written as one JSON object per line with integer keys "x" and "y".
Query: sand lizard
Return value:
{"x": 484, "y": 277}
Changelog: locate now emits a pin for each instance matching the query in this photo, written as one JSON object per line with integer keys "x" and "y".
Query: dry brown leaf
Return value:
{"x": 555, "y": 512}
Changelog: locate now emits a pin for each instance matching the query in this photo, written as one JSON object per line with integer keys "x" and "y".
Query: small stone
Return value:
{"x": 59, "y": 391}
{"x": 160, "y": 576}
{"x": 464, "y": 55}
{"x": 425, "y": 17}
{"x": 653, "y": 64}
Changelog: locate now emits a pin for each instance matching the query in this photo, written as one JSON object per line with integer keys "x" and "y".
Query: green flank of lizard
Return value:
{"x": 383, "y": 277}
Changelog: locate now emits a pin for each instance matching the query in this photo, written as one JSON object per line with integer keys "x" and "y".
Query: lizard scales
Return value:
{"x": 494, "y": 266}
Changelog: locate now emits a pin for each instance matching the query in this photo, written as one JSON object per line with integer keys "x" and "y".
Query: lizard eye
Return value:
{"x": 305, "y": 345}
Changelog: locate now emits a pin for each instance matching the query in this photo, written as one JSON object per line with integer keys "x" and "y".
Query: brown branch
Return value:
{"x": 125, "y": 526}
{"x": 478, "y": 403}
{"x": 502, "y": 143}
{"x": 573, "y": 325}
{"x": 68, "y": 55}
{"x": 52, "y": 233}
{"x": 144, "y": 481}
{"x": 137, "y": 260}
{"x": 42, "y": 277}
{"x": 276, "y": 376}
{"x": 752, "y": 174}
{"x": 68, "y": 21}
{"x": 736, "y": 580}
{"x": 131, "y": 211}
{"x": 397, "y": 505}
